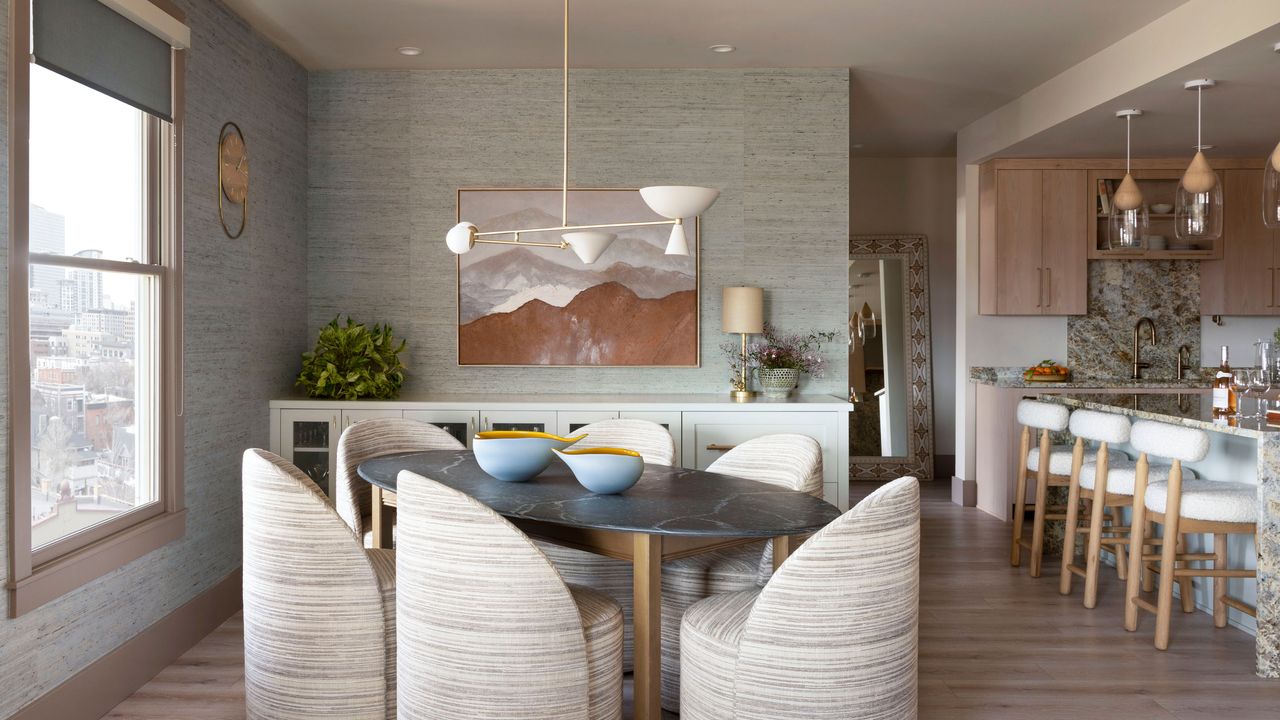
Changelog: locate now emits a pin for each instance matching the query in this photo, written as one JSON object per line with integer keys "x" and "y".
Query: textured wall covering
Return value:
{"x": 245, "y": 320}
{"x": 1100, "y": 344}
{"x": 389, "y": 149}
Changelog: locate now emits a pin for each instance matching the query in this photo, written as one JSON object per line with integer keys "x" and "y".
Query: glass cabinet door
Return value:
{"x": 523, "y": 420}
{"x": 309, "y": 440}
{"x": 461, "y": 424}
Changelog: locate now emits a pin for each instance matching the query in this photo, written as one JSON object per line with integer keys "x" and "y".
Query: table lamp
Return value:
{"x": 742, "y": 312}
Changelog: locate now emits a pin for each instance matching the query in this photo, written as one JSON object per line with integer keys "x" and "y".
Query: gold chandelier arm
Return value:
{"x": 564, "y": 166}
{"x": 560, "y": 245}
{"x": 491, "y": 233}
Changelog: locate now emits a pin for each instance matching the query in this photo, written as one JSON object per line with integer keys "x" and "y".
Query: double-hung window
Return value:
{"x": 95, "y": 437}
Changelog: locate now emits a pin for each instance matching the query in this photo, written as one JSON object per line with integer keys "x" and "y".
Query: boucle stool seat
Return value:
{"x": 1228, "y": 502}
{"x": 1059, "y": 459}
{"x": 1122, "y": 473}
{"x": 1183, "y": 506}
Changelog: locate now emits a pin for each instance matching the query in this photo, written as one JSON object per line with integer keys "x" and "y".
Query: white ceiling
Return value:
{"x": 1240, "y": 113}
{"x": 922, "y": 69}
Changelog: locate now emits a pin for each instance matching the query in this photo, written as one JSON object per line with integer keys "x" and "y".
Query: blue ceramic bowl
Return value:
{"x": 513, "y": 456}
{"x": 604, "y": 470}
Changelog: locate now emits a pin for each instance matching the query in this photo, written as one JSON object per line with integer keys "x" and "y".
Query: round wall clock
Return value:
{"x": 233, "y": 176}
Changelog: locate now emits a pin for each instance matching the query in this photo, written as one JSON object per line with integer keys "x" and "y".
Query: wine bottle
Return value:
{"x": 1224, "y": 395}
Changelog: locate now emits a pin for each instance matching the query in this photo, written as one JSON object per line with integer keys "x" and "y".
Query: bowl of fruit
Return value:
{"x": 1047, "y": 371}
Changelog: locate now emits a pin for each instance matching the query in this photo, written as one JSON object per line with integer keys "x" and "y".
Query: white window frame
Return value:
{"x": 40, "y": 575}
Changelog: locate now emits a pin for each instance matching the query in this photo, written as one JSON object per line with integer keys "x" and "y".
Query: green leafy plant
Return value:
{"x": 353, "y": 362}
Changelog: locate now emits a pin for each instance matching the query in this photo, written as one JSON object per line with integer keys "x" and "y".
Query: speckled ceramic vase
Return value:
{"x": 778, "y": 383}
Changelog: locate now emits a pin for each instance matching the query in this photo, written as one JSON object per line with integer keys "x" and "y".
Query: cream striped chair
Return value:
{"x": 319, "y": 609}
{"x": 789, "y": 460}
{"x": 369, "y": 439}
{"x": 833, "y": 634}
{"x": 487, "y": 628}
{"x": 609, "y": 576}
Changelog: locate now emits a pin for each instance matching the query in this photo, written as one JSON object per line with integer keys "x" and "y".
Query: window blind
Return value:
{"x": 93, "y": 44}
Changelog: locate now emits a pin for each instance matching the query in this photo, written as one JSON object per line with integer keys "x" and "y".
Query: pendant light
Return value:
{"x": 1198, "y": 205}
{"x": 1129, "y": 222}
{"x": 674, "y": 202}
{"x": 1271, "y": 185}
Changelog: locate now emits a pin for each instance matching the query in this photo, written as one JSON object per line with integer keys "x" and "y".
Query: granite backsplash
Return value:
{"x": 1100, "y": 344}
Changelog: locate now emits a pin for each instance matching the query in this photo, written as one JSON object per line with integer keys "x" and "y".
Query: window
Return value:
{"x": 96, "y": 358}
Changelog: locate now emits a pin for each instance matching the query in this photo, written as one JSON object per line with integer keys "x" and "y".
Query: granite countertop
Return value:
{"x": 1011, "y": 377}
{"x": 666, "y": 501}
{"x": 1189, "y": 409}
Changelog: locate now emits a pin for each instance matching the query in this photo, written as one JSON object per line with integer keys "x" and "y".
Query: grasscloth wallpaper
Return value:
{"x": 389, "y": 149}
{"x": 245, "y": 325}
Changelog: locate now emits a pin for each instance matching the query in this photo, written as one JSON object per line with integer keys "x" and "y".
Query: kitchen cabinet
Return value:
{"x": 1244, "y": 281}
{"x": 1033, "y": 235}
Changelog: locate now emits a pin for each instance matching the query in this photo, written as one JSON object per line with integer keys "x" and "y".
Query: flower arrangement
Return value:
{"x": 353, "y": 362}
{"x": 778, "y": 351}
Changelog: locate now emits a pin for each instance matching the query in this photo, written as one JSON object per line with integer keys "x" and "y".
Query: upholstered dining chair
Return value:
{"x": 609, "y": 576}
{"x": 788, "y": 460}
{"x": 832, "y": 635}
{"x": 319, "y": 609}
{"x": 369, "y": 439}
{"x": 487, "y": 628}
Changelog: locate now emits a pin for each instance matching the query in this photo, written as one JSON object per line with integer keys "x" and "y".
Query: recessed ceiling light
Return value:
{"x": 722, "y": 48}
{"x": 409, "y": 51}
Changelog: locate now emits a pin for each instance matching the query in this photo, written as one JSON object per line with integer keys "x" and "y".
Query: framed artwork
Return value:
{"x": 635, "y": 306}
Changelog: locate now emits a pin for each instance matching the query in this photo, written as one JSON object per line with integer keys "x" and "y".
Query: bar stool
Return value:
{"x": 1052, "y": 465}
{"x": 1106, "y": 483}
{"x": 1183, "y": 506}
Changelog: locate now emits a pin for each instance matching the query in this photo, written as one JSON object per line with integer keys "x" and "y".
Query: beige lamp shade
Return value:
{"x": 743, "y": 310}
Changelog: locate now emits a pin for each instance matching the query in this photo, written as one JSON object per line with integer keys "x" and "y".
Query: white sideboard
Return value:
{"x": 305, "y": 431}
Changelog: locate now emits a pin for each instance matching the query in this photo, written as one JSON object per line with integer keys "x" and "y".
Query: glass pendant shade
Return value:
{"x": 1197, "y": 213}
{"x": 1129, "y": 222}
{"x": 1271, "y": 191}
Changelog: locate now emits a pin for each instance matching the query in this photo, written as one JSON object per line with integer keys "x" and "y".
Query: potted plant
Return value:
{"x": 781, "y": 358}
{"x": 352, "y": 362}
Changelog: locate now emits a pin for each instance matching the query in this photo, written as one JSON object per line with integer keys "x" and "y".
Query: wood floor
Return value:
{"x": 994, "y": 644}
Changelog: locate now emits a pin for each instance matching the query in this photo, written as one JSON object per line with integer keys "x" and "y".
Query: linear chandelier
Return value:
{"x": 588, "y": 242}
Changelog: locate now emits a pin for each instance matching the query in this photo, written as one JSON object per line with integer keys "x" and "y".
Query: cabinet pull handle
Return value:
{"x": 1048, "y": 284}
{"x": 720, "y": 448}
{"x": 1039, "y": 286}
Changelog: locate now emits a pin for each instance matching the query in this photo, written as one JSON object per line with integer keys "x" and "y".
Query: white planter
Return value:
{"x": 779, "y": 382}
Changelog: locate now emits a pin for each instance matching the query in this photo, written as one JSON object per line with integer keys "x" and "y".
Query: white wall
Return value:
{"x": 918, "y": 196}
{"x": 1237, "y": 333}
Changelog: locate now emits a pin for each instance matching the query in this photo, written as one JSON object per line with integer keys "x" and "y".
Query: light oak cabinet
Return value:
{"x": 1244, "y": 281}
{"x": 1033, "y": 230}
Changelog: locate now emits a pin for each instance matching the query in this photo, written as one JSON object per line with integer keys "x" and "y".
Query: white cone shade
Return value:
{"x": 461, "y": 237}
{"x": 679, "y": 201}
{"x": 589, "y": 245}
{"x": 677, "y": 245}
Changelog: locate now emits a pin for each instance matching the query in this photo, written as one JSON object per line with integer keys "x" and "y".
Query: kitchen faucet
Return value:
{"x": 1184, "y": 359}
{"x": 1138, "y": 364}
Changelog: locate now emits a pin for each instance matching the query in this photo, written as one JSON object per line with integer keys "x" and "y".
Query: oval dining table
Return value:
{"x": 669, "y": 514}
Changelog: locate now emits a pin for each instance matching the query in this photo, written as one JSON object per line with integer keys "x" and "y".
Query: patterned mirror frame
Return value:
{"x": 913, "y": 250}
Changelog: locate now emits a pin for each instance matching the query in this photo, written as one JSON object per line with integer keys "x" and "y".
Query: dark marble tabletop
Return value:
{"x": 666, "y": 500}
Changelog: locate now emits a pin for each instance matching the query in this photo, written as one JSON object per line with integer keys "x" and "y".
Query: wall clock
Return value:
{"x": 233, "y": 176}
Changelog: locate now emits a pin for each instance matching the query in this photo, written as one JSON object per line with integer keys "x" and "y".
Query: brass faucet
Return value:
{"x": 1184, "y": 359}
{"x": 1138, "y": 364}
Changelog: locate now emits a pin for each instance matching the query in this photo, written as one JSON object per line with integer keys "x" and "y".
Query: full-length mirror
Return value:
{"x": 890, "y": 378}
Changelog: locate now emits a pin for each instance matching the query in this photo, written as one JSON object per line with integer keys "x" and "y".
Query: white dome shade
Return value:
{"x": 589, "y": 245}
{"x": 677, "y": 245}
{"x": 679, "y": 201}
{"x": 461, "y": 237}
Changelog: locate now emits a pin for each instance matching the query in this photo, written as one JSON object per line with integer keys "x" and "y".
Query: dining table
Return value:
{"x": 670, "y": 513}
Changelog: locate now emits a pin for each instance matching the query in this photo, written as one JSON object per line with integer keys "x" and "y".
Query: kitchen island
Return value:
{"x": 1242, "y": 450}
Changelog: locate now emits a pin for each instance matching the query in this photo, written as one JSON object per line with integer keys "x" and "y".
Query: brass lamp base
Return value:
{"x": 742, "y": 395}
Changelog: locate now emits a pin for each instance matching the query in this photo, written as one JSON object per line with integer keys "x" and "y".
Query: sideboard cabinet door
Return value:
{"x": 526, "y": 420}
{"x": 461, "y": 424}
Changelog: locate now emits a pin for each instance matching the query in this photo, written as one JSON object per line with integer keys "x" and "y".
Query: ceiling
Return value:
{"x": 922, "y": 69}
{"x": 1240, "y": 112}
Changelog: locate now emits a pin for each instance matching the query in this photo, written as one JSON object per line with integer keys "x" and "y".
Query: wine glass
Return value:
{"x": 1240, "y": 384}
{"x": 1260, "y": 384}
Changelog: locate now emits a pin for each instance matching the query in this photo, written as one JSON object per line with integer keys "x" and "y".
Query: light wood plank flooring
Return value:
{"x": 994, "y": 644}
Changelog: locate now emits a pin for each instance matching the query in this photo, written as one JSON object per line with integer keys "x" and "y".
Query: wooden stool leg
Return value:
{"x": 1093, "y": 556}
{"x": 1073, "y": 519}
{"x": 1219, "y": 583}
{"x": 1186, "y": 587}
{"x": 1137, "y": 544}
{"x": 1168, "y": 556}
{"x": 1042, "y": 498}
{"x": 1020, "y": 499}
{"x": 1122, "y": 557}
{"x": 1148, "y": 576}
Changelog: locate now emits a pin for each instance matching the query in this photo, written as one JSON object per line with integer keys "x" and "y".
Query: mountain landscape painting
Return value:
{"x": 634, "y": 306}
